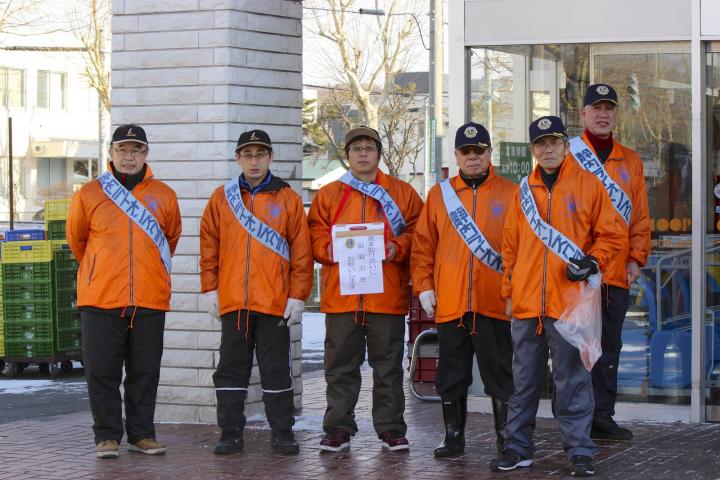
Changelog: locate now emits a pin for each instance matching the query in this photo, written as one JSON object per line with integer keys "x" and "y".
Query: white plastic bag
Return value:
{"x": 581, "y": 322}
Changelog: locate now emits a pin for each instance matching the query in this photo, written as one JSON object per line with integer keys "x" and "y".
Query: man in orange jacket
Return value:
{"x": 365, "y": 195}
{"x": 621, "y": 172}
{"x": 560, "y": 229}
{"x": 256, "y": 272}
{"x": 457, "y": 270}
{"x": 123, "y": 228}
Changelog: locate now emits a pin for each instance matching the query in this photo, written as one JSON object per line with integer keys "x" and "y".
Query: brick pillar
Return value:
{"x": 195, "y": 74}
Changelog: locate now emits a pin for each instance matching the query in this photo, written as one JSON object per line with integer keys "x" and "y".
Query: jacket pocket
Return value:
{"x": 92, "y": 269}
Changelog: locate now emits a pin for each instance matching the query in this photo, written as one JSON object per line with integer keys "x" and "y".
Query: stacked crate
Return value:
{"x": 55, "y": 215}
{"x": 27, "y": 299}
{"x": 67, "y": 315}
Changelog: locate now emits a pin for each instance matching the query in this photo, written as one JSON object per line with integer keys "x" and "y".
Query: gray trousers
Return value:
{"x": 345, "y": 341}
{"x": 572, "y": 393}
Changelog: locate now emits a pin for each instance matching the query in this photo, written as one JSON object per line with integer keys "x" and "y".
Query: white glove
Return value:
{"x": 428, "y": 302}
{"x": 211, "y": 300}
{"x": 293, "y": 311}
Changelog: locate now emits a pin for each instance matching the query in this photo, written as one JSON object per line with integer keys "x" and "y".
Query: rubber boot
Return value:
{"x": 231, "y": 441}
{"x": 455, "y": 416}
{"x": 500, "y": 410}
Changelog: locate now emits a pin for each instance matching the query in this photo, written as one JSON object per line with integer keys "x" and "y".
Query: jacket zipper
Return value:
{"x": 470, "y": 276}
{"x": 92, "y": 269}
{"x": 362, "y": 220}
{"x": 542, "y": 313}
{"x": 131, "y": 261}
{"x": 247, "y": 258}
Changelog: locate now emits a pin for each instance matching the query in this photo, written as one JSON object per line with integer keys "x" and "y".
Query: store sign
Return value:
{"x": 515, "y": 160}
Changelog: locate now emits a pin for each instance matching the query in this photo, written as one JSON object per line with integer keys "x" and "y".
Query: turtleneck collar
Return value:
{"x": 473, "y": 182}
{"x": 603, "y": 146}
{"x": 129, "y": 180}
{"x": 549, "y": 179}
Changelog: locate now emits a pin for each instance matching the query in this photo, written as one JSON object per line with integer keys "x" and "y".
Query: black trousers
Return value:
{"x": 108, "y": 344}
{"x": 489, "y": 341}
{"x": 268, "y": 337}
{"x": 346, "y": 336}
{"x": 615, "y": 301}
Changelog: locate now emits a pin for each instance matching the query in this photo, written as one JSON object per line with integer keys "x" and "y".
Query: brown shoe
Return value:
{"x": 148, "y": 446}
{"x": 106, "y": 449}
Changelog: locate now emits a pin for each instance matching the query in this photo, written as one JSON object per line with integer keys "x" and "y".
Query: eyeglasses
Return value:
{"x": 549, "y": 142}
{"x": 258, "y": 156}
{"x": 135, "y": 152}
{"x": 468, "y": 149}
{"x": 368, "y": 149}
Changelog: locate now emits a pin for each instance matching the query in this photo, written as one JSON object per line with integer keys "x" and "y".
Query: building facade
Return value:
{"x": 663, "y": 58}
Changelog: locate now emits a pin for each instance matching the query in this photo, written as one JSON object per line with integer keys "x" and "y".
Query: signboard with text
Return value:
{"x": 515, "y": 160}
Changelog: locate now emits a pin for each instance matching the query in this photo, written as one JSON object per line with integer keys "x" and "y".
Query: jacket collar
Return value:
{"x": 566, "y": 170}
{"x": 459, "y": 184}
{"x": 615, "y": 154}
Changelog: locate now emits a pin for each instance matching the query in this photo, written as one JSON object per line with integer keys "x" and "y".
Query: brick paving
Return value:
{"x": 61, "y": 447}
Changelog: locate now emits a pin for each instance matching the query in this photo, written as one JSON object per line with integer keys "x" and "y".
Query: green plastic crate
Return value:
{"x": 35, "y": 331}
{"x": 66, "y": 280}
{"x": 64, "y": 258}
{"x": 26, "y": 292}
{"x": 68, "y": 318}
{"x": 65, "y": 298}
{"x": 29, "y": 349}
{"x": 70, "y": 339}
{"x": 56, "y": 230}
{"x": 28, "y": 312}
{"x": 26, "y": 272}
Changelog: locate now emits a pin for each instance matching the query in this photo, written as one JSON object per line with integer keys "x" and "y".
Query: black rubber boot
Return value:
{"x": 284, "y": 442}
{"x": 231, "y": 441}
{"x": 500, "y": 409}
{"x": 455, "y": 415}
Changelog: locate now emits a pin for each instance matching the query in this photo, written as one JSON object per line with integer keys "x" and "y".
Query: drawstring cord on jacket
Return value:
{"x": 132, "y": 318}
{"x": 247, "y": 323}
{"x": 355, "y": 317}
{"x": 474, "y": 324}
{"x": 539, "y": 329}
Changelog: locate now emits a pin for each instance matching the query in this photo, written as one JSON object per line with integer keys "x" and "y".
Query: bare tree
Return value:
{"x": 366, "y": 55}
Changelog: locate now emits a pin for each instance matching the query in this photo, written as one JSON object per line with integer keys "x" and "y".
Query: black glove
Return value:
{"x": 581, "y": 268}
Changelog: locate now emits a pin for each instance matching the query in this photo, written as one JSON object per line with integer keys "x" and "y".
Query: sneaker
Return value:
{"x": 231, "y": 441}
{"x": 581, "y": 466}
{"x": 335, "y": 441}
{"x": 509, "y": 460}
{"x": 284, "y": 442}
{"x": 107, "y": 449}
{"x": 604, "y": 427}
{"x": 394, "y": 441}
{"x": 148, "y": 446}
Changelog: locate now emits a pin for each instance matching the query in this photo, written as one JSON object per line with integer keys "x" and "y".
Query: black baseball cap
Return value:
{"x": 472, "y": 134}
{"x": 600, "y": 92}
{"x": 129, "y": 133}
{"x": 253, "y": 137}
{"x": 547, "y": 126}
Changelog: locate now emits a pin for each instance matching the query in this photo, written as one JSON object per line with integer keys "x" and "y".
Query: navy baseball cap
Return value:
{"x": 472, "y": 134}
{"x": 129, "y": 133}
{"x": 253, "y": 137}
{"x": 547, "y": 126}
{"x": 600, "y": 92}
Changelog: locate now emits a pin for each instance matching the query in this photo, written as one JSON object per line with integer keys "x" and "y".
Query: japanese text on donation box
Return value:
{"x": 359, "y": 249}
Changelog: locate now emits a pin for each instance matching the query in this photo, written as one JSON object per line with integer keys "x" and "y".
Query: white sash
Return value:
{"x": 259, "y": 230}
{"x": 137, "y": 212}
{"x": 589, "y": 161}
{"x": 392, "y": 211}
{"x": 467, "y": 229}
{"x": 555, "y": 240}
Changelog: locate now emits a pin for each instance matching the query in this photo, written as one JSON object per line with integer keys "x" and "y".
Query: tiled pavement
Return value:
{"x": 61, "y": 448}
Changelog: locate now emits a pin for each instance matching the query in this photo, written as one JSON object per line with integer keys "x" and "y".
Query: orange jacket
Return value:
{"x": 626, "y": 168}
{"x": 120, "y": 266}
{"x": 246, "y": 273}
{"x": 360, "y": 208}
{"x": 580, "y": 208}
{"x": 441, "y": 261}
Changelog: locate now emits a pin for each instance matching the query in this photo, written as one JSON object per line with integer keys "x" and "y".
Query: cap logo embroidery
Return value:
{"x": 602, "y": 90}
{"x": 253, "y": 137}
{"x": 544, "y": 123}
{"x": 130, "y": 133}
{"x": 471, "y": 132}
